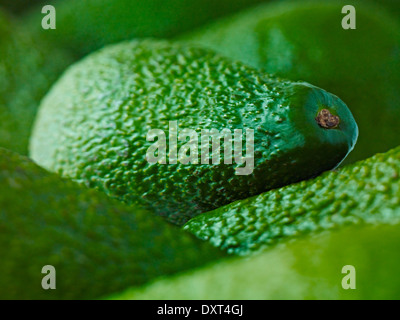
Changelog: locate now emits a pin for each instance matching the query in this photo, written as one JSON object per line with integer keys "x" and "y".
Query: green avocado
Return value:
{"x": 28, "y": 67}
{"x": 85, "y": 26}
{"x": 366, "y": 192}
{"x": 351, "y": 263}
{"x": 96, "y": 126}
{"x": 306, "y": 41}
{"x": 96, "y": 245}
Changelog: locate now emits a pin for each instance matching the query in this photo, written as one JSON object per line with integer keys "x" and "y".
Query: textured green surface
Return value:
{"x": 92, "y": 126}
{"x": 85, "y": 26}
{"x": 309, "y": 268}
{"x": 364, "y": 192}
{"x": 305, "y": 41}
{"x": 98, "y": 246}
{"x": 27, "y": 70}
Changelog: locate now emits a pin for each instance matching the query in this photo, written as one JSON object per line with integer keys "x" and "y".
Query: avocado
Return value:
{"x": 28, "y": 67}
{"x": 96, "y": 245}
{"x": 315, "y": 267}
{"x": 366, "y": 192}
{"x": 96, "y": 124}
{"x": 306, "y": 41}
{"x": 85, "y": 26}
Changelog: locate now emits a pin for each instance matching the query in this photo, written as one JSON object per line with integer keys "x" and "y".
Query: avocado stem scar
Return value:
{"x": 327, "y": 120}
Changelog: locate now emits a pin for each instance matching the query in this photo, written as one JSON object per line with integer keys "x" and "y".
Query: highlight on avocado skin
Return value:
{"x": 92, "y": 127}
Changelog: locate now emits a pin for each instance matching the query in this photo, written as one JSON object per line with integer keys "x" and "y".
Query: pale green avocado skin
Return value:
{"x": 93, "y": 125}
{"x": 85, "y": 26}
{"x": 28, "y": 68}
{"x": 366, "y": 192}
{"x": 304, "y": 40}
{"x": 98, "y": 246}
{"x": 308, "y": 268}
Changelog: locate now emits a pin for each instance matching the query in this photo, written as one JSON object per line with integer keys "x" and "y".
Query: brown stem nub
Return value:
{"x": 327, "y": 120}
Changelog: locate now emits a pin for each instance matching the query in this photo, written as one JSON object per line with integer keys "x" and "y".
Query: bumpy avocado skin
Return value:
{"x": 366, "y": 192}
{"x": 309, "y": 268}
{"x": 98, "y": 246}
{"x": 92, "y": 126}
{"x": 28, "y": 67}
{"x": 306, "y": 41}
{"x": 85, "y": 26}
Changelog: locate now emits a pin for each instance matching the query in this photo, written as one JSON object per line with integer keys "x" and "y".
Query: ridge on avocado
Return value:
{"x": 366, "y": 192}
